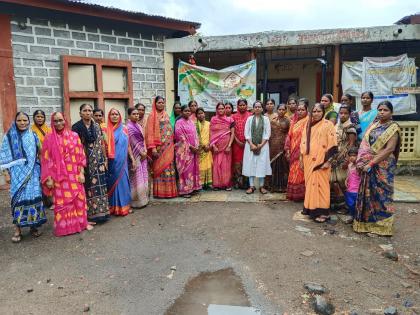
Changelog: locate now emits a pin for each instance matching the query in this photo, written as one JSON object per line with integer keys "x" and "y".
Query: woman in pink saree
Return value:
{"x": 62, "y": 175}
{"x": 222, "y": 133}
{"x": 186, "y": 154}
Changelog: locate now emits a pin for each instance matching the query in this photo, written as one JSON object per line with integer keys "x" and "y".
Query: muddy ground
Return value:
{"x": 122, "y": 267}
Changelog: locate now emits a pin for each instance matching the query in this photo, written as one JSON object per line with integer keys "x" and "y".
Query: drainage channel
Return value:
{"x": 213, "y": 293}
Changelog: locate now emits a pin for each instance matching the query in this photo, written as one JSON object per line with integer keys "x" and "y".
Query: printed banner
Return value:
{"x": 380, "y": 75}
{"x": 209, "y": 86}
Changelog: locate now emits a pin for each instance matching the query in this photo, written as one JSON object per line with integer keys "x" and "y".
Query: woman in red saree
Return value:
{"x": 62, "y": 175}
{"x": 296, "y": 180}
{"x": 238, "y": 146}
{"x": 186, "y": 154}
{"x": 160, "y": 145}
{"x": 222, "y": 133}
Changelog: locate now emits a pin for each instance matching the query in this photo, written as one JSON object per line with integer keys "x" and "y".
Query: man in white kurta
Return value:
{"x": 257, "y": 165}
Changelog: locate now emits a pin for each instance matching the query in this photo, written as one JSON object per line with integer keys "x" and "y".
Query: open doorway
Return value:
{"x": 281, "y": 89}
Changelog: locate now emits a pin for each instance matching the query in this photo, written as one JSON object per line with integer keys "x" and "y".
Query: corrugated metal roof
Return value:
{"x": 128, "y": 12}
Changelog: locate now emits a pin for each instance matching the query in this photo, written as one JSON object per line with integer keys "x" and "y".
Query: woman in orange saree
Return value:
{"x": 296, "y": 181}
{"x": 160, "y": 145}
{"x": 318, "y": 147}
{"x": 222, "y": 133}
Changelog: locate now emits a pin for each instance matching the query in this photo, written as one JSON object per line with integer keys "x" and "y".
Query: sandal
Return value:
{"x": 35, "y": 233}
{"x": 186, "y": 196}
{"x": 263, "y": 190}
{"x": 250, "y": 190}
{"x": 89, "y": 227}
{"x": 321, "y": 219}
{"x": 229, "y": 189}
{"x": 16, "y": 238}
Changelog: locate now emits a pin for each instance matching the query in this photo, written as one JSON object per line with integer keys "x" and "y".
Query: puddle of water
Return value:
{"x": 232, "y": 310}
{"x": 222, "y": 287}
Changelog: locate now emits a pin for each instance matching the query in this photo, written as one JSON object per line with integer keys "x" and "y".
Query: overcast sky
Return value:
{"x": 219, "y": 17}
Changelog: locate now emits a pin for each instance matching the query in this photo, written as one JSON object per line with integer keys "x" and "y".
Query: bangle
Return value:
{"x": 371, "y": 163}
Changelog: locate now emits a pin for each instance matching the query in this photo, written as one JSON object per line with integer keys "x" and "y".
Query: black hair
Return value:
{"x": 255, "y": 103}
{"x": 183, "y": 107}
{"x": 270, "y": 100}
{"x": 305, "y": 101}
{"x": 84, "y": 105}
{"x": 320, "y": 106}
{"x": 200, "y": 109}
{"x": 293, "y": 98}
{"x": 229, "y": 103}
{"x": 157, "y": 98}
{"x": 349, "y": 96}
{"x": 96, "y": 110}
{"x": 368, "y": 93}
{"x": 280, "y": 105}
{"x": 140, "y": 104}
{"x": 37, "y": 112}
{"x": 353, "y": 151}
{"x": 242, "y": 100}
{"x": 131, "y": 109}
{"x": 218, "y": 104}
{"x": 329, "y": 96}
{"x": 345, "y": 106}
{"x": 22, "y": 113}
{"x": 387, "y": 104}
{"x": 190, "y": 103}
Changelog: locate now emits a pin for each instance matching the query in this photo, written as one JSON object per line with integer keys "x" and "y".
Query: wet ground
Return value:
{"x": 173, "y": 255}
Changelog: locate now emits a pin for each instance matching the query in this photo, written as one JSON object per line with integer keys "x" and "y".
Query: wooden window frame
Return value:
{"x": 98, "y": 95}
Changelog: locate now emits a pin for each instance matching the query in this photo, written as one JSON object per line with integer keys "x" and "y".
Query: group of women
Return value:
{"x": 94, "y": 170}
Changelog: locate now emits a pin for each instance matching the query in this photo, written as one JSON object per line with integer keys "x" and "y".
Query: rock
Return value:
{"x": 48, "y": 280}
{"x": 386, "y": 247}
{"x": 354, "y": 313}
{"x": 307, "y": 253}
{"x": 86, "y": 308}
{"x": 413, "y": 211}
{"x": 397, "y": 295}
{"x": 391, "y": 254}
{"x": 408, "y": 303}
{"x": 304, "y": 230}
{"x": 315, "y": 288}
{"x": 347, "y": 219}
{"x": 333, "y": 219}
{"x": 391, "y": 310}
{"x": 406, "y": 285}
{"x": 30, "y": 290}
{"x": 322, "y": 306}
{"x": 60, "y": 288}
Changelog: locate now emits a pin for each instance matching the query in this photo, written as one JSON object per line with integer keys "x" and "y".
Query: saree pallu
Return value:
{"x": 222, "y": 161}
{"x": 365, "y": 119}
{"x": 119, "y": 194}
{"x": 296, "y": 179}
{"x": 19, "y": 154}
{"x": 139, "y": 178}
{"x": 69, "y": 195}
{"x": 95, "y": 172}
{"x": 339, "y": 165}
{"x": 41, "y": 132}
{"x": 374, "y": 206}
{"x": 322, "y": 146}
{"x": 164, "y": 175}
{"x": 279, "y": 163}
{"x": 238, "y": 151}
{"x": 186, "y": 161}
{"x": 205, "y": 158}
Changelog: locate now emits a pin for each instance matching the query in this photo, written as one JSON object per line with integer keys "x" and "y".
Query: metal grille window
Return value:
{"x": 408, "y": 140}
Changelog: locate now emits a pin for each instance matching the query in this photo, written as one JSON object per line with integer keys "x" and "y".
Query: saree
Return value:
{"x": 41, "y": 131}
{"x": 278, "y": 161}
{"x": 237, "y": 150}
{"x": 159, "y": 136}
{"x": 63, "y": 158}
{"x": 222, "y": 161}
{"x": 374, "y": 205}
{"x": 365, "y": 119}
{"x": 322, "y": 146}
{"x": 205, "y": 158}
{"x": 19, "y": 155}
{"x": 186, "y": 161}
{"x": 95, "y": 171}
{"x": 139, "y": 177}
{"x": 119, "y": 194}
{"x": 339, "y": 164}
{"x": 296, "y": 180}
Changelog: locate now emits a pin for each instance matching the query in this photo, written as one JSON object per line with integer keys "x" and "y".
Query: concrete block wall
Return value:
{"x": 38, "y": 45}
